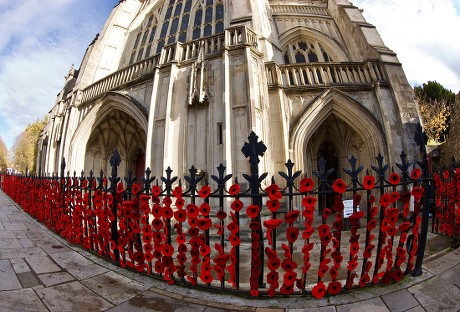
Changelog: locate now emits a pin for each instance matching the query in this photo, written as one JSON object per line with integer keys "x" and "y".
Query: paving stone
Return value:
{"x": 444, "y": 263}
{"x": 374, "y": 305}
{"x": 14, "y": 226}
{"x": 317, "y": 309}
{"x": 440, "y": 293}
{"x": 70, "y": 259}
{"x": 26, "y": 242}
{"x": 43, "y": 264}
{"x": 400, "y": 301}
{"x": 114, "y": 287}
{"x": 6, "y": 234}
{"x": 418, "y": 308}
{"x": 28, "y": 279}
{"x": 149, "y": 301}
{"x": 72, "y": 296}
{"x": 87, "y": 271}
{"x": 21, "y": 300}
{"x": 19, "y": 265}
{"x": 11, "y": 253}
{"x": 51, "y": 279}
{"x": 52, "y": 246}
{"x": 8, "y": 278}
{"x": 10, "y": 242}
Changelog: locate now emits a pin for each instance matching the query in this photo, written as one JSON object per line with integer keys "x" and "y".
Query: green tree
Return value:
{"x": 435, "y": 103}
{"x": 3, "y": 155}
{"x": 25, "y": 147}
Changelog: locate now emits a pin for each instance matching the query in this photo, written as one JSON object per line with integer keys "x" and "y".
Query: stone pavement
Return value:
{"x": 39, "y": 271}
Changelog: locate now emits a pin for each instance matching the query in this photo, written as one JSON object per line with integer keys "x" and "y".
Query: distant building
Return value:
{"x": 183, "y": 82}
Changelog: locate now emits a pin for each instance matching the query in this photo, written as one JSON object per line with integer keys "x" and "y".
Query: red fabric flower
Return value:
{"x": 292, "y": 234}
{"x": 415, "y": 174}
{"x": 306, "y": 185}
{"x": 273, "y": 192}
{"x": 204, "y": 224}
{"x": 385, "y": 200}
{"x": 394, "y": 178}
{"x": 273, "y": 205}
{"x": 120, "y": 188}
{"x": 205, "y": 209}
{"x": 334, "y": 287}
{"x": 309, "y": 201}
{"x": 237, "y": 205}
{"x": 221, "y": 215}
{"x": 167, "y": 250}
{"x": 417, "y": 192}
{"x": 369, "y": 182}
{"x": 339, "y": 186}
{"x": 234, "y": 189}
{"x": 135, "y": 189}
{"x": 204, "y": 192}
{"x": 156, "y": 190}
{"x": 252, "y": 211}
{"x": 319, "y": 290}
{"x": 272, "y": 223}
{"x": 323, "y": 230}
{"x": 192, "y": 211}
{"x": 291, "y": 216}
{"x": 177, "y": 192}
{"x": 180, "y": 215}
{"x": 234, "y": 240}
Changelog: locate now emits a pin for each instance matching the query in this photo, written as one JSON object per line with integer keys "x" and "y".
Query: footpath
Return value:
{"x": 39, "y": 271}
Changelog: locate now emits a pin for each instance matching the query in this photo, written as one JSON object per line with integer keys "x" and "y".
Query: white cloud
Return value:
{"x": 40, "y": 40}
{"x": 421, "y": 33}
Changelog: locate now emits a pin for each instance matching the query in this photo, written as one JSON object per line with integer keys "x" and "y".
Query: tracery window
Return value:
{"x": 143, "y": 47}
{"x": 207, "y": 19}
{"x": 306, "y": 52}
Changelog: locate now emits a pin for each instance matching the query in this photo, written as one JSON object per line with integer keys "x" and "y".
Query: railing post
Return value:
{"x": 421, "y": 139}
{"x": 114, "y": 179}
{"x": 253, "y": 149}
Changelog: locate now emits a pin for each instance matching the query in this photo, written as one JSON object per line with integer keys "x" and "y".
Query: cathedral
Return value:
{"x": 176, "y": 83}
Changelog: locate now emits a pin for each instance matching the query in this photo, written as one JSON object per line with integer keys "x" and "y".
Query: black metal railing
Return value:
{"x": 304, "y": 234}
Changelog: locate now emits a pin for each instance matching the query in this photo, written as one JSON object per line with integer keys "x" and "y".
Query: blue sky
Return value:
{"x": 41, "y": 39}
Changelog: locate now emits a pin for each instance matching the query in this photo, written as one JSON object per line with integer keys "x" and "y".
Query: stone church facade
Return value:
{"x": 183, "y": 82}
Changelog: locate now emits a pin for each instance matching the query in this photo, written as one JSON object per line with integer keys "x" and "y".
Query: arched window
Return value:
{"x": 306, "y": 51}
{"x": 144, "y": 40}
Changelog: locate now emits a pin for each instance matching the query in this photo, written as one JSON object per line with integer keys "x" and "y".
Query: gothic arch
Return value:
{"x": 328, "y": 44}
{"x": 336, "y": 117}
{"x": 112, "y": 101}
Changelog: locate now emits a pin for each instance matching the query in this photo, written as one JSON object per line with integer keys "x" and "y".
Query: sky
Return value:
{"x": 41, "y": 39}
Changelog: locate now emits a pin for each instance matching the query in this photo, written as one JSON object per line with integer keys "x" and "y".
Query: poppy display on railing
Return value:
{"x": 300, "y": 235}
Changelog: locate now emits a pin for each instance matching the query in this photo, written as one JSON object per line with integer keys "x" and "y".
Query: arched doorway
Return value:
{"x": 116, "y": 130}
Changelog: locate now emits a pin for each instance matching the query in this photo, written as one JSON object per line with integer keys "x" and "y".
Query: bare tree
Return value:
{"x": 3, "y": 155}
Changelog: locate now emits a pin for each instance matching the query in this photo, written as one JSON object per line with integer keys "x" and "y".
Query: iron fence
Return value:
{"x": 306, "y": 235}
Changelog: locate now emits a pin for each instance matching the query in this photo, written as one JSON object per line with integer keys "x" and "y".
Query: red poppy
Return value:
{"x": 354, "y": 218}
{"x": 177, "y": 192}
{"x": 272, "y": 277}
{"x": 233, "y": 227}
{"x": 204, "y": 192}
{"x": 167, "y": 201}
{"x": 323, "y": 230}
{"x": 252, "y": 211}
{"x": 334, "y": 287}
{"x": 369, "y": 182}
{"x": 120, "y": 188}
{"x": 292, "y": 234}
{"x": 415, "y": 174}
{"x": 234, "y": 189}
{"x": 391, "y": 230}
{"x": 273, "y": 192}
{"x": 309, "y": 201}
{"x": 289, "y": 278}
{"x": 167, "y": 250}
{"x": 374, "y": 211}
{"x": 334, "y": 272}
{"x": 157, "y": 224}
{"x": 234, "y": 240}
{"x": 372, "y": 199}
{"x": 354, "y": 248}
{"x": 326, "y": 213}
{"x": 205, "y": 209}
{"x": 237, "y": 205}
{"x": 272, "y": 223}
{"x": 307, "y": 233}
{"x": 156, "y": 190}
{"x": 319, "y": 290}
{"x": 167, "y": 212}
{"x": 135, "y": 228}
{"x": 221, "y": 215}
{"x": 339, "y": 186}
{"x": 206, "y": 278}
{"x": 417, "y": 192}
{"x": 404, "y": 226}
{"x": 385, "y": 200}
{"x": 192, "y": 211}
{"x": 135, "y": 189}
{"x": 394, "y": 178}
{"x": 306, "y": 185}
{"x": 273, "y": 205}
{"x": 291, "y": 216}
{"x": 371, "y": 225}
{"x": 180, "y": 215}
